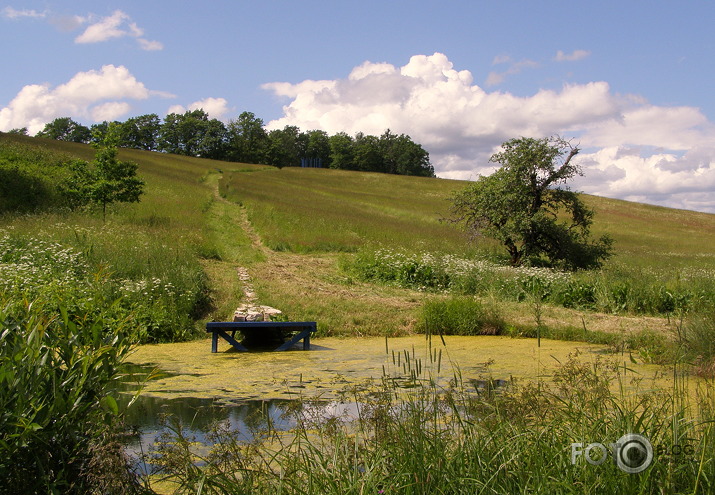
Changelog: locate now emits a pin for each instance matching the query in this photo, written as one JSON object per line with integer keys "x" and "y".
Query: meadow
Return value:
{"x": 364, "y": 254}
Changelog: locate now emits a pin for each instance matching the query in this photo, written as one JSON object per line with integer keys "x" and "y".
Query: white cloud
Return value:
{"x": 117, "y": 25}
{"x": 150, "y": 45}
{"x": 215, "y": 107}
{"x": 96, "y": 95}
{"x": 11, "y": 13}
{"x": 575, "y": 56}
{"x": 105, "y": 29}
{"x": 631, "y": 148}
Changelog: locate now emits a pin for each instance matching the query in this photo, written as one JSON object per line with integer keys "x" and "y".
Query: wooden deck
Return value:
{"x": 301, "y": 329}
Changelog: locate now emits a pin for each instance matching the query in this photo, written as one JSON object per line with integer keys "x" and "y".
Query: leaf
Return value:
{"x": 110, "y": 404}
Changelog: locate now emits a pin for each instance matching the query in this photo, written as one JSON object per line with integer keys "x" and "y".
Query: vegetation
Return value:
{"x": 372, "y": 245}
{"x": 520, "y": 204}
{"x": 416, "y": 433}
{"x": 58, "y": 399}
{"x": 107, "y": 180}
{"x": 245, "y": 139}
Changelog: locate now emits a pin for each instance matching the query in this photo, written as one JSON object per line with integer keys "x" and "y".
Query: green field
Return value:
{"x": 362, "y": 254}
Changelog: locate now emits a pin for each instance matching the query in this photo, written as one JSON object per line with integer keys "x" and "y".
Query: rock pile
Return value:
{"x": 250, "y": 311}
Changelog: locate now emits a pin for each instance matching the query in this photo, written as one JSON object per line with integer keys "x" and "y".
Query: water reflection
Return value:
{"x": 154, "y": 416}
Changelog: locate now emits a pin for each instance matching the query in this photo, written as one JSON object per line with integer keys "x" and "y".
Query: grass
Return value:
{"x": 315, "y": 244}
{"x": 410, "y": 435}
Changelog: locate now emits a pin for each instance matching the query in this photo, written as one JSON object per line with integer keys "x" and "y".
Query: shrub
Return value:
{"x": 57, "y": 382}
{"x": 459, "y": 316}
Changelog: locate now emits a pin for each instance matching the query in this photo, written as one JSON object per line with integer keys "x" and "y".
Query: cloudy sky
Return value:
{"x": 630, "y": 82}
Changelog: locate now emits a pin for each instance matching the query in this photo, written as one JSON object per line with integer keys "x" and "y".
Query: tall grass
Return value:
{"x": 614, "y": 289}
{"x": 426, "y": 432}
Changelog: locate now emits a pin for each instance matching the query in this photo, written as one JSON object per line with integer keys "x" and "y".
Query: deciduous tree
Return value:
{"x": 106, "y": 180}
{"x": 523, "y": 206}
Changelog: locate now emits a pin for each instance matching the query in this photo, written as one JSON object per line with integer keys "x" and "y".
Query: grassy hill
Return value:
{"x": 303, "y": 234}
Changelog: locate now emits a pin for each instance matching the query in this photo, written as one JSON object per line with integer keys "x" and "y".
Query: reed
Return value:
{"x": 422, "y": 431}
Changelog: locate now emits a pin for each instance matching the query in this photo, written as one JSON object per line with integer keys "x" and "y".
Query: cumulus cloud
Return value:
{"x": 631, "y": 149}
{"x": 97, "y": 95}
{"x": 574, "y": 56}
{"x": 117, "y": 25}
{"x": 215, "y": 107}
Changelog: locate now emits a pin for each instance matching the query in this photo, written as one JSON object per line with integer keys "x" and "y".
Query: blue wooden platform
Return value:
{"x": 302, "y": 330}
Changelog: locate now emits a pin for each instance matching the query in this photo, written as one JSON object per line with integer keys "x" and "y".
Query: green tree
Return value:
{"x": 286, "y": 147}
{"x": 403, "y": 156}
{"x": 522, "y": 206}
{"x": 141, "y": 132}
{"x": 247, "y": 139}
{"x": 193, "y": 134}
{"x": 318, "y": 146}
{"x": 367, "y": 153}
{"x": 106, "y": 180}
{"x": 341, "y": 151}
{"x": 66, "y": 129}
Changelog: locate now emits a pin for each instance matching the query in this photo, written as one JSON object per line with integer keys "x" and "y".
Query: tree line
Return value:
{"x": 246, "y": 140}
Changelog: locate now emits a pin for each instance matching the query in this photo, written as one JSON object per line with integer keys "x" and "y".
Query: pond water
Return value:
{"x": 245, "y": 391}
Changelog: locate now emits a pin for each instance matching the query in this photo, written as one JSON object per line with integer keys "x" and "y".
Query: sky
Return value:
{"x": 628, "y": 82}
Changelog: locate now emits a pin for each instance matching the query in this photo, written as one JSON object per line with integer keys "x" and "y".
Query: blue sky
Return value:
{"x": 631, "y": 82}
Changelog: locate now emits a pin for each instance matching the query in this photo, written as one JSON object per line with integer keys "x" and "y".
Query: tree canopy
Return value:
{"x": 524, "y": 206}
{"x": 245, "y": 139}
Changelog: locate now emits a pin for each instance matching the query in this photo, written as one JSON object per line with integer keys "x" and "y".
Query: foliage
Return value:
{"x": 107, "y": 180}
{"x": 66, "y": 129}
{"x": 246, "y": 140}
{"x": 459, "y": 315}
{"x": 154, "y": 307}
{"x": 58, "y": 376}
{"x": 698, "y": 340}
{"x": 193, "y": 134}
{"x": 618, "y": 289}
{"x": 423, "y": 431}
{"x": 520, "y": 205}
{"x": 30, "y": 177}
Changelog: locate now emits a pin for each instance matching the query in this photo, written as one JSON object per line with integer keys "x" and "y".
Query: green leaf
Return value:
{"x": 110, "y": 404}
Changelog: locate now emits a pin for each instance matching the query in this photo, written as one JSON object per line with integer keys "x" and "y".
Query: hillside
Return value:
{"x": 296, "y": 230}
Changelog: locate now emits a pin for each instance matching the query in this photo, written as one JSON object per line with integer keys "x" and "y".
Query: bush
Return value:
{"x": 57, "y": 381}
{"x": 459, "y": 316}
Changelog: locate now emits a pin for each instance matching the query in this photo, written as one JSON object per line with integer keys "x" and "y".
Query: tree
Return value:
{"x": 286, "y": 146}
{"x": 247, "y": 139}
{"x": 367, "y": 153}
{"x": 341, "y": 151}
{"x": 318, "y": 147}
{"x": 193, "y": 134}
{"x": 403, "y": 156}
{"x": 141, "y": 132}
{"x": 522, "y": 206}
{"x": 66, "y": 129}
{"x": 106, "y": 180}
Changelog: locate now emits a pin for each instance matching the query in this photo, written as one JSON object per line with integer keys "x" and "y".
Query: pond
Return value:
{"x": 246, "y": 391}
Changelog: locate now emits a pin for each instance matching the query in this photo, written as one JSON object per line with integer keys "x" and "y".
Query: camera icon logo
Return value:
{"x": 632, "y": 453}
{"x": 635, "y": 453}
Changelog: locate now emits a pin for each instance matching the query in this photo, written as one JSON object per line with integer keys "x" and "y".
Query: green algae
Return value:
{"x": 334, "y": 364}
